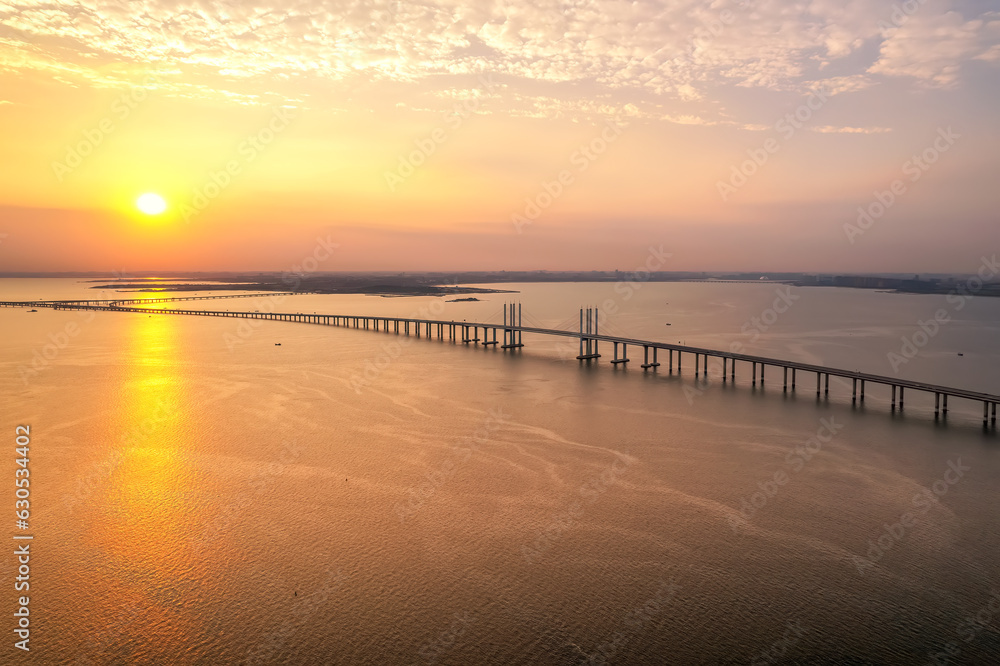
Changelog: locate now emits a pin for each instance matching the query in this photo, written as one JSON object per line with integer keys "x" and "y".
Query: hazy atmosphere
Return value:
{"x": 555, "y": 333}
{"x": 499, "y": 135}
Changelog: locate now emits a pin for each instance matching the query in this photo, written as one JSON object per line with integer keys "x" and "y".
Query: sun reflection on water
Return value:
{"x": 146, "y": 515}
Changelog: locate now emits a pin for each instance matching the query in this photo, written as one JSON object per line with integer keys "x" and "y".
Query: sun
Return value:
{"x": 151, "y": 203}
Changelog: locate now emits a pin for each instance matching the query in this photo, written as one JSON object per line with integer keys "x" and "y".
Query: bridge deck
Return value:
{"x": 819, "y": 370}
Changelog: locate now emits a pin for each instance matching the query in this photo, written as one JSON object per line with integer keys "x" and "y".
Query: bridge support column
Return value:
{"x": 819, "y": 375}
{"x": 762, "y": 366}
{"x": 679, "y": 355}
{"x": 893, "y": 408}
{"x": 793, "y": 379}
{"x": 624, "y": 356}
{"x": 944, "y": 405}
{"x": 986, "y": 413}
{"x": 784, "y": 378}
{"x": 670, "y": 360}
{"x": 937, "y": 403}
{"x": 900, "y": 398}
{"x": 854, "y": 390}
{"x": 993, "y": 418}
{"x": 645, "y": 358}
{"x": 862, "y": 391}
{"x": 753, "y": 371}
{"x": 732, "y": 372}
{"x": 512, "y": 322}
{"x": 697, "y": 364}
{"x": 826, "y": 385}
{"x": 588, "y": 327}
{"x": 706, "y": 366}
{"x": 724, "y": 359}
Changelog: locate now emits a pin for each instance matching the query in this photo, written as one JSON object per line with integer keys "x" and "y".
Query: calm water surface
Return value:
{"x": 203, "y": 496}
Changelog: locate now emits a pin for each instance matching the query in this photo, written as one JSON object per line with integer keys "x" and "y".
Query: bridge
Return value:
{"x": 164, "y": 299}
{"x": 589, "y": 339}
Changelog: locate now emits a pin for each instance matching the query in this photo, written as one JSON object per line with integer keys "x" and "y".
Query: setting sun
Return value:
{"x": 151, "y": 204}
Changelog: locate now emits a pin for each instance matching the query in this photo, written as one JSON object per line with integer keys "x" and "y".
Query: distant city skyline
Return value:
{"x": 418, "y": 137}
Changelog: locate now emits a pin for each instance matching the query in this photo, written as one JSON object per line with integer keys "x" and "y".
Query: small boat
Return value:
{"x": 277, "y": 344}
{"x": 961, "y": 354}
{"x": 32, "y": 310}
{"x": 666, "y": 324}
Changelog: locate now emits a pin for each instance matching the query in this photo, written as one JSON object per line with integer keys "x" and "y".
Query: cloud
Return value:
{"x": 931, "y": 48}
{"x": 683, "y": 52}
{"x": 830, "y": 129}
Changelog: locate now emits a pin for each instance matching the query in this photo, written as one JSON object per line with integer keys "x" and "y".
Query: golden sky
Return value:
{"x": 499, "y": 135}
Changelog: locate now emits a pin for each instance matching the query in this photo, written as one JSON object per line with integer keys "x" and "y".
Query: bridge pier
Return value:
{"x": 762, "y": 366}
{"x": 645, "y": 358}
{"x": 900, "y": 398}
{"x": 753, "y": 371}
{"x": 862, "y": 391}
{"x": 784, "y": 378}
{"x": 937, "y": 402}
{"x": 819, "y": 376}
{"x": 512, "y": 324}
{"x": 486, "y": 337}
{"x": 793, "y": 379}
{"x": 724, "y": 369}
{"x": 588, "y": 345}
{"x": 697, "y": 365}
{"x": 624, "y": 356}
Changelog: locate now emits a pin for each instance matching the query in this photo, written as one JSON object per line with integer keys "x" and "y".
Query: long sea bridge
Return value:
{"x": 511, "y": 330}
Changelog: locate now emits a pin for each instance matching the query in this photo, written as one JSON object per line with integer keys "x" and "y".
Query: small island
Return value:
{"x": 459, "y": 300}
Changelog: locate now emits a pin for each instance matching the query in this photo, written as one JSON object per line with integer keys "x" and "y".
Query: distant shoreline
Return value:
{"x": 446, "y": 284}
